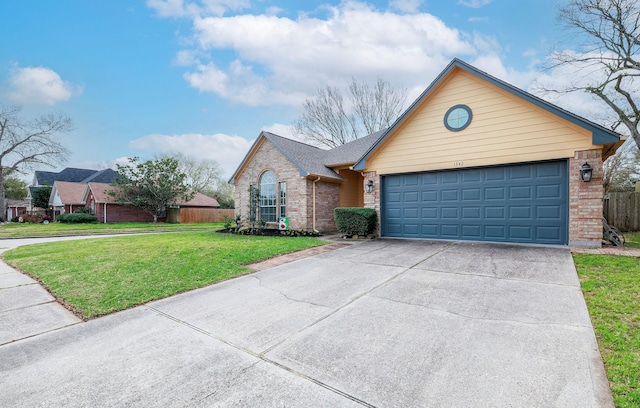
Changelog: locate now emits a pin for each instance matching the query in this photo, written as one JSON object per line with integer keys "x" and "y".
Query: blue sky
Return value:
{"x": 203, "y": 77}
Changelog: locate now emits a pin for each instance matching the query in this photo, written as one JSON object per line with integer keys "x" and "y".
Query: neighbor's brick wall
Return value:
{"x": 119, "y": 213}
{"x": 372, "y": 200}
{"x": 268, "y": 157}
{"x": 585, "y": 201}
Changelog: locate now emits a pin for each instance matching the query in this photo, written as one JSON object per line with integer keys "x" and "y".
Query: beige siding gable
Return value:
{"x": 504, "y": 129}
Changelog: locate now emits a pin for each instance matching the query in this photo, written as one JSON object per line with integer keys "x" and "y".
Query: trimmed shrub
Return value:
{"x": 32, "y": 218}
{"x": 77, "y": 218}
{"x": 355, "y": 221}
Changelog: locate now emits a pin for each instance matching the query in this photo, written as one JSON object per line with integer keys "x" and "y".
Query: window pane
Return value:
{"x": 268, "y": 197}
{"x": 283, "y": 199}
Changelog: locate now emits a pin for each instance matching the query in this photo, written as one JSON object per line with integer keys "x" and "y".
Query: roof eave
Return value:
{"x": 264, "y": 134}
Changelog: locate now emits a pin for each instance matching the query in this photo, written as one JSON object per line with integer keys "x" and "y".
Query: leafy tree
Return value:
{"x": 14, "y": 188}
{"x": 224, "y": 195}
{"x": 329, "y": 120}
{"x": 40, "y": 196}
{"x": 622, "y": 169}
{"x": 25, "y": 143}
{"x": 205, "y": 176}
{"x": 151, "y": 186}
{"x": 608, "y": 65}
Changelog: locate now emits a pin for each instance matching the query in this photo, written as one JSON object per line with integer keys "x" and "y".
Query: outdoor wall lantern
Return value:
{"x": 369, "y": 186}
{"x": 586, "y": 172}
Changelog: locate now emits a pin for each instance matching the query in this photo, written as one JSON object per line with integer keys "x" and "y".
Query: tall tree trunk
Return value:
{"x": 3, "y": 201}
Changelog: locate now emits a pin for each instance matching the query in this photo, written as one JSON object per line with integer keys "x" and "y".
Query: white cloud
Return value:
{"x": 407, "y": 6}
{"x": 40, "y": 85}
{"x": 284, "y": 60}
{"x": 227, "y": 150}
{"x": 182, "y": 8}
{"x": 474, "y": 3}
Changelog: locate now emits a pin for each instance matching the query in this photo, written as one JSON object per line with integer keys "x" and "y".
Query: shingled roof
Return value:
{"x": 311, "y": 160}
{"x": 74, "y": 175}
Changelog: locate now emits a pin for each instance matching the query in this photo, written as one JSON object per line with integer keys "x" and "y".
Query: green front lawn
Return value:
{"x": 611, "y": 287}
{"x": 18, "y": 230}
{"x": 632, "y": 239}
{"x": 100, "y": 276}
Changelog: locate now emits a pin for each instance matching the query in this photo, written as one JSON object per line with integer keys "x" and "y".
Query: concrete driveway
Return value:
{"x": 384, "y": 323}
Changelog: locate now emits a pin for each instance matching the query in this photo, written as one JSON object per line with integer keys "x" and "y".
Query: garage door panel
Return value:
{"x": 548, "y": 191}
{"x": 549, "y": 212}
{"x": 411, "y": 214}
{"x": 521, "y": 173}
{"x": 429, "y": 213}
{"x": 429, "y": 230}
{"x": 552, "y": 170}
{"x": 449, "y": 195}
{"x": 494, "y": 193}
{"x": 471, "y": 194}
{"x": 514, "y": 203}
{"x": 520, "y": 193}
{"x": 520, "y": 213}
{"x": 429, "y": 196}
{"x": 471, "y": 177}
{"x": 495, "y": 174}
{"x": 449, "y": 213}
{"x": 548, "y": 233}
{"x": 494, "y": 213}
{"x": 520, "y": 232}
{"x": 449, "y": 230}
{"x": 410, "y": 196}
{"x": 471, "y": 213}
{"x": 495, "y": 232}
{"x": 471, "y": 231}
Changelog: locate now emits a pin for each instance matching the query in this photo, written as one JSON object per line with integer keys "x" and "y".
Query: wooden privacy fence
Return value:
{"x": 622, "y": 210}
{"x": 194, "y": 215}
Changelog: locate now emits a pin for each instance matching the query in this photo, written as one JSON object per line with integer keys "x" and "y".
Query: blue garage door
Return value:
{"x": 524, "y": 203}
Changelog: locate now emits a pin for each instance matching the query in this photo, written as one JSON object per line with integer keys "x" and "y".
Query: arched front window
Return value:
{"x": 268, "y": 196}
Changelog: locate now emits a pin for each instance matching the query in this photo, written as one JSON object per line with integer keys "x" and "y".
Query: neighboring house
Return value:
{"x": 96, "y": 197}
{"x": 16, "y": 208}
{"x": 74, "y": 175}
{"x": 69, "y": 174}
{"x": 66, "y": 197}
{"x": 473, "y": 158}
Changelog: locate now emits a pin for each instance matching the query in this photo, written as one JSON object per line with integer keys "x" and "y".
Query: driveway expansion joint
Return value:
{"x": 28, "y": 306}
{"x": 260, "y": 356}
{"x": 465, "y": 316}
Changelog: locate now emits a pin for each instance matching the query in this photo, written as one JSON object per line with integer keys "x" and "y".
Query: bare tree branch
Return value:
{"x": 608, "y": 65}
{"x": 27, "y": 143}
{"x": 329, "y": 120}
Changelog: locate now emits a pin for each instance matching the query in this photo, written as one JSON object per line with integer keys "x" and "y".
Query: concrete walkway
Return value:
{"x": 26, "y": 308}
{"x": 384, "y": 323}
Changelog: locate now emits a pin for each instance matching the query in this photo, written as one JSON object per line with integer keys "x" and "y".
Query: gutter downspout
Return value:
{"x": 314, "y": 203}
{"x": 104, "y": 213}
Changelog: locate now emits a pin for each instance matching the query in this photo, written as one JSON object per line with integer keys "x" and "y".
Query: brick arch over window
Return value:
{"x": 267, "y": 192}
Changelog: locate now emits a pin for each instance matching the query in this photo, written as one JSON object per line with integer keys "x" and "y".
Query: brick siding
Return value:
{"x": 268, "y": 157}
{"x": 585, "y": 201}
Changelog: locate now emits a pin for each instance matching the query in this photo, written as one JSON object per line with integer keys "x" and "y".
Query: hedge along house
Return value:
{"x": 473, "y": 158}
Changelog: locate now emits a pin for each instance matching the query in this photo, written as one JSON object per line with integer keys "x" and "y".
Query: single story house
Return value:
{"x": 15, "y": 208}
{"x": 66, "y": 197}
{"x": 96, "y": 197}
{"x": 70, "y": 175}
{"x": 473, "y": 158}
